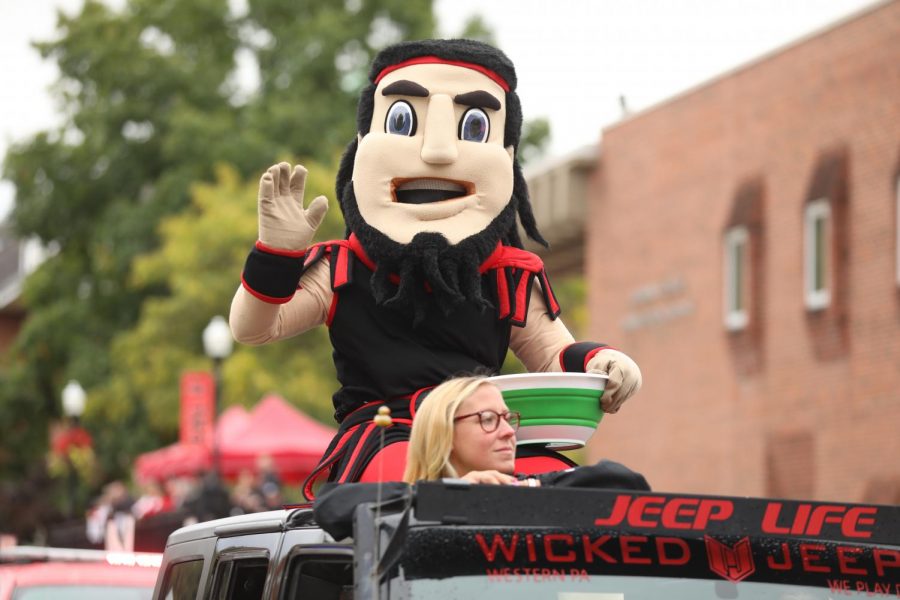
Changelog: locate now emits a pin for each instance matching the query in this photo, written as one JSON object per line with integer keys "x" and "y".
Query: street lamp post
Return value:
{"x": 74, "y": 399}
{"x": 217, "y": 343}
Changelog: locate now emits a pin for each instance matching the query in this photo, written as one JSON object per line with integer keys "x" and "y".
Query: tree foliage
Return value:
{"x": 201, "y": 253}
{"x": 153, "y": 103}
{"x": 146, "y": 197}
{"x": 535, "y": 139}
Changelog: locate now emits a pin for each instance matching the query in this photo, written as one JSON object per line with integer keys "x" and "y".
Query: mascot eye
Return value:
{"x": 401, "y": 119}
{"x": 474, "y": 126}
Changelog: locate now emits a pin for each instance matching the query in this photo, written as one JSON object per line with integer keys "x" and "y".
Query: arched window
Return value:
{"x": 897, "y": 228}
{"x": 826, "y": 254}
{"x": 736, "y": 277}
{"x": 817, "y": 252}
{"x": 744, "y": 275}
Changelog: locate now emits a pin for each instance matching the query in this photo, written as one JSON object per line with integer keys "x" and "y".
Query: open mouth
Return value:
{"x": 427, "y": 191}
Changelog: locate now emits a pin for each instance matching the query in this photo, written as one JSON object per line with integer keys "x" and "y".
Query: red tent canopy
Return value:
{"x": 232, "y": 422}
{"x": 176, "y": 460}
{"x": 274, "y": 428}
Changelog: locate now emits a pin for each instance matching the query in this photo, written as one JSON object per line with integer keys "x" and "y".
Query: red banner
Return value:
{"x": 198, "y": 391}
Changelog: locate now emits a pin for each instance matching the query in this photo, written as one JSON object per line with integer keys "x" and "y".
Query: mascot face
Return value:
{"x": 433, "y": 160}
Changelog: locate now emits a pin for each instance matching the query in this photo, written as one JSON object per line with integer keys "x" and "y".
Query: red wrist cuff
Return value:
{"x": 279, "y": 252}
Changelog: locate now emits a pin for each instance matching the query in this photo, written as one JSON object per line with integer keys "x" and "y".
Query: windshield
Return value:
{"x": 543, "y": 584}
{"x": 83, "y": 592}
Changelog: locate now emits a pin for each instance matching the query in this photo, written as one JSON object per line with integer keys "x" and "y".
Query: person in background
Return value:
{"x": 153, "y": 500}
{"x": 209, "y": 501}
{"x": 111, "y": 522}
{"x": 245, "y": 495}
{"x": 268, "y": 482}
{"x": 266, "y": 471}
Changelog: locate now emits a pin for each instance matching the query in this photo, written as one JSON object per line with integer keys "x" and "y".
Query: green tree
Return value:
{"x": 476, "y": 28}
{"x": 153, "y": 103}
{"x": 95, "y": 188}
{"x": 201, "y": 253}
{"x": 535, "y": 132}
{"x": 314, "y": 58}
{"x": 535, "y": 139}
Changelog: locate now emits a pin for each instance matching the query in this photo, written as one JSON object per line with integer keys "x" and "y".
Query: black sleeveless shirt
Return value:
{"x": 379, "y": 354}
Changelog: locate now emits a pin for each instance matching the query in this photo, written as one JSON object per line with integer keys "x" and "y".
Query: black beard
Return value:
{"x": 450, "y": 271}
{"x": 431, "y": 269}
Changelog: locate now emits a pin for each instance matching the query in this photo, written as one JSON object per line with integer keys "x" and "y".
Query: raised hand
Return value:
{"x": 283, "y": 222}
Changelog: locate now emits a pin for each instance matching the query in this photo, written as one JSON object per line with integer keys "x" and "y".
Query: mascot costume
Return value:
{"x": 431, "y": 280}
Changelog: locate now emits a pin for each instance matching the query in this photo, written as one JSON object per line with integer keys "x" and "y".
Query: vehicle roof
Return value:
{"x": 261, "y": 522}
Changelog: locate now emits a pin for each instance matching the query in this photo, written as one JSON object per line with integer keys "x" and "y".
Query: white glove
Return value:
{"x": 283, "y": 222}
{"x": 624, "y": 377}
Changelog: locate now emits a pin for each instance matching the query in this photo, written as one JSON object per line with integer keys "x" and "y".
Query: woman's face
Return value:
{"x": 473, "y": 448}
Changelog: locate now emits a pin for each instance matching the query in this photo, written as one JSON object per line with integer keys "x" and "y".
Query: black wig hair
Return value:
{"x": 470, "y": 51}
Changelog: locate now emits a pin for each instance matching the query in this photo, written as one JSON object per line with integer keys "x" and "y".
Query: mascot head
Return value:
{"x": 431, "y": 184}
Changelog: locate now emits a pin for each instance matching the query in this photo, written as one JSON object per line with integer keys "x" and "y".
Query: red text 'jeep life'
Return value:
{"x": 451, "y": 540}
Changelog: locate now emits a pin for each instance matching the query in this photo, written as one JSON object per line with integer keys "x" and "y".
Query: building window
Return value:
{"x": 897, "y": 230}
{"x": 817, "y": 253}
{"x": 743, "y": 269}
{"x": 736, "y": 262}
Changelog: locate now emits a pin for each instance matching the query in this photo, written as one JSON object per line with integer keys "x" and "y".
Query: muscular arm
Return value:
{"x": 256, "y": 322}
{"x": 539, "y": 343}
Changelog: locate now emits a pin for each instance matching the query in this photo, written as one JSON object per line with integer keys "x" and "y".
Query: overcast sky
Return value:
{"x": 574, "y": 58}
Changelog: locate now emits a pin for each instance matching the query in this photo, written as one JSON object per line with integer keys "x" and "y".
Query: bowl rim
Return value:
{"x": 514, "y": 381}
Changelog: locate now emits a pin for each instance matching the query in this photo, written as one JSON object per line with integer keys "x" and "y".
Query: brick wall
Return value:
{"x": 797, "y": 421}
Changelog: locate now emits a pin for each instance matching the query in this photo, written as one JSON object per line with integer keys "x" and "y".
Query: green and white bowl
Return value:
{"x": 559, "y": 410}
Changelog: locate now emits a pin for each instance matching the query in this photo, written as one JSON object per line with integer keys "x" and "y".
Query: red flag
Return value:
{"x": 198, "y": 390}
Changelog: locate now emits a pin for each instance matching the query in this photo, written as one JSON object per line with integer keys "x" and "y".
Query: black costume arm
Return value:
{"x": 605, "y": 474}
{"x": 336, "y": 503}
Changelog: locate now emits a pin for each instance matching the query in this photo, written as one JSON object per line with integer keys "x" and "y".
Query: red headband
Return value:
{"x": 431, "y": 60}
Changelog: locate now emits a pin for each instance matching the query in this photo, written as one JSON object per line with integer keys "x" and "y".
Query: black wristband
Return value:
{"x": 574, "y": 355}
{"x": 272, "y": 276}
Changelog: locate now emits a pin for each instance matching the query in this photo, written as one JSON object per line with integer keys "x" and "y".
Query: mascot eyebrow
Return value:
{"x": 405, "y": 87}
{"x": 478, "y": 98}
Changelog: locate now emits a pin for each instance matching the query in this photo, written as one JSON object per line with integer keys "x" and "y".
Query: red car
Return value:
{"x": 32, "y": 573}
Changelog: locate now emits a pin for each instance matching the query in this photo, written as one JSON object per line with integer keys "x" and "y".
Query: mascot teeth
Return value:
{"x": 431, "y": 184}
{"x": 426, "y": 191}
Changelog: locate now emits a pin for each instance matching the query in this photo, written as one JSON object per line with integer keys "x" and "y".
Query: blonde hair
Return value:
{"x": 431, "y": 439}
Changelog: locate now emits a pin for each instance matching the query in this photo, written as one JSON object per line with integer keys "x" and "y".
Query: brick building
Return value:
{"x": 558, "y": 190}
{"x": 742, "y": 245}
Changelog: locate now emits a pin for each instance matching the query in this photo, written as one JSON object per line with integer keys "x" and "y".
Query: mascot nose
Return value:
{"x": 439, "y": 147}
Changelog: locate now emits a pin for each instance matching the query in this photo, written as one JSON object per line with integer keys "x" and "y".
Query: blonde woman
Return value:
{"x": 463, "y": 429}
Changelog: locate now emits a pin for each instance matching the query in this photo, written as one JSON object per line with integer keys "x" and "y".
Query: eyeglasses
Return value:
{"x": 490, "y": 419}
